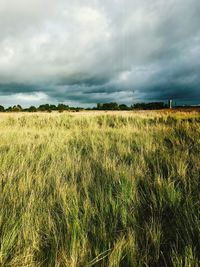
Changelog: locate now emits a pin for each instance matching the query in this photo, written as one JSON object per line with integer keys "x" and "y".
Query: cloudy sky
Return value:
{"x": 82, "y": 52}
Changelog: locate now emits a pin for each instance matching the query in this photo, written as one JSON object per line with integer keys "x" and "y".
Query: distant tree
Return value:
{"x": 17, "y": 108}
{"x": 9, "y": 109}
{"x": 62, "y": 107}
{"x": 32, "y": 109}
{"x": 138, "y": 106}
{"x": 110, "y": 106}
{"x": 44, "y": 107}
{"x": 52, "y": 107}
{"x": 99, "y": 106}
{"x": 123, "y": 107}
{"x": 149, "y": 106}
{"x": 2, "y": 109}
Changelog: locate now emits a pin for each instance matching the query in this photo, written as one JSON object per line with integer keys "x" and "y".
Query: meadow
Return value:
{"x": 100, "y": 189}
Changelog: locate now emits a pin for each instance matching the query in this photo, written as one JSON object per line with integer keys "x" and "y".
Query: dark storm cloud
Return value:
{"x": 84, "y": 52}
{"x": 9, "y": 88}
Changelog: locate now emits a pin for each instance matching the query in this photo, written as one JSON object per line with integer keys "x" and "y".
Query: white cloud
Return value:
{"x": 34, "y": 97}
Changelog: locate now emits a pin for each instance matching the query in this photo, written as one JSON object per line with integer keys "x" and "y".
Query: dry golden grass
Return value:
{"x": 100, "y": 189}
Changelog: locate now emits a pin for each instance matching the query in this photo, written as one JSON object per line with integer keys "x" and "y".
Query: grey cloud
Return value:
{"x": 94, "y": 51}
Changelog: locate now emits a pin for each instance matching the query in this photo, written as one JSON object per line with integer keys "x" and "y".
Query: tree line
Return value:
{"x": 41, "y": 108}
{"x": 99, "y": 106}
{"x": 140, "y": 106}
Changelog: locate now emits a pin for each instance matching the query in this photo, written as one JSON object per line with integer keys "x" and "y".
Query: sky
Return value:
{"x": 84, "y": 52}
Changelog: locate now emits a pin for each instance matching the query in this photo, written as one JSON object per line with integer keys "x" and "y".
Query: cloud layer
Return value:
{"x": 86, "y": 51}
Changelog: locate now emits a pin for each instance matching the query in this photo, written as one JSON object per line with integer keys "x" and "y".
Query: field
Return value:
{"x": 100, "y": 189}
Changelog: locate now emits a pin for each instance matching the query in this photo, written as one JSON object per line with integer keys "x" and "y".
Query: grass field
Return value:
{"x": 102, "y": 189}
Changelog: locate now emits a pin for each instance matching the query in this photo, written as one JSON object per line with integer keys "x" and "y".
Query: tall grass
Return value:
{"x": 102, "y": 190}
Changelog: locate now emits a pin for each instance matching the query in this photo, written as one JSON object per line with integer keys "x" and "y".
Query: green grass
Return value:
{"x": 103, "y": 190}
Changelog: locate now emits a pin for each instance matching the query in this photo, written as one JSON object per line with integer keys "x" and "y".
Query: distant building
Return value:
{"x": 170, "y": 104}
